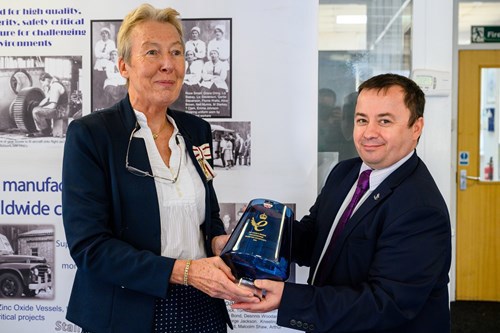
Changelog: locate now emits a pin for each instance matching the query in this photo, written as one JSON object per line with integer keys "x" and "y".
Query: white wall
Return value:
{"x": 432, "y": 48}
{"x": 274, "y": 87}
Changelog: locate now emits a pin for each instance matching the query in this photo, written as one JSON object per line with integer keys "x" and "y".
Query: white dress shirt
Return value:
{"x": 376, "y": 178}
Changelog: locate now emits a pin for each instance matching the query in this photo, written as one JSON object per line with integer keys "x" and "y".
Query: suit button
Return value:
{"x": 299, "y": 323}
{"x": 311, "y": 327}
{"x": 305, "y": 326}
{"x": 292, "y": 322}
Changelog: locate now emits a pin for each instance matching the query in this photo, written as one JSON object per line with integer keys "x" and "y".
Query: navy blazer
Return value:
{"x": 112, "y": 221}
{"x": 389, "y": 268}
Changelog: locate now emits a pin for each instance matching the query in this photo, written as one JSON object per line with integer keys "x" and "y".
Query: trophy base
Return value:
{"x": 244, "y": 282}
{"x": 248, "y": 284}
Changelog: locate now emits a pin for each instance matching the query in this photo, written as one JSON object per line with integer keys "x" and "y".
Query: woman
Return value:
{"x": 101, "y": 57}
{"x": 139, "y": 208}
{"x": 227, "y": 152}
{"x": 114, "y": 85}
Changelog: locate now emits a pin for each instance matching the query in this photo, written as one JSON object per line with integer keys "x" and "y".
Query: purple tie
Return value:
{"x": 361, "y": 187}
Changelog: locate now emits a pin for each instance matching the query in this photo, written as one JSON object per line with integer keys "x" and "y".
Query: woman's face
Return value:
{"x": 218, "y": 34}
{"x": 156, "y": 68}
{"x": 214, "y": 56}
{"x": 190, "y": 56}
{"x": 113, "y": 56}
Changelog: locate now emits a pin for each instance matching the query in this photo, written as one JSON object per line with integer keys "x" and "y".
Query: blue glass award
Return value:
{"x": 260, "y": 245}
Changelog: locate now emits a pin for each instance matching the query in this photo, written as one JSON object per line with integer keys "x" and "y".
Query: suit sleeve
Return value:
{"x": 91, "y": 223}
{"x": 411, "y": 257}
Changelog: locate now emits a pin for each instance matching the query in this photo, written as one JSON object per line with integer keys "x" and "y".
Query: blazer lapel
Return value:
{"x": 189, "y": 145}
{"x": 376, "y": 197}
{"x": 333, "y": 200}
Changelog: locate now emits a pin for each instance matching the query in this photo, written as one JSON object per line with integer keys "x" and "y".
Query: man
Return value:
{"x": 328, "y": 120}
{"x": 387, "y": 269}
{"x": 53, "y": 106}
{"x": 247, "y": 153}
{"x": 239, "y": 145}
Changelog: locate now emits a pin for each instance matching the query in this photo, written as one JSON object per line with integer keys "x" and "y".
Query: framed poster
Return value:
{"x": 206, "y": 91}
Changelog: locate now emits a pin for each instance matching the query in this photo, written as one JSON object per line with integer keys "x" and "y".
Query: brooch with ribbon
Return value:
{"x": 202, "y": 154}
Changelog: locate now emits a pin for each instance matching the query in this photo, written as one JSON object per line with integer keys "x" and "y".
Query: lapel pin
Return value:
{"x": 376, "y": 196}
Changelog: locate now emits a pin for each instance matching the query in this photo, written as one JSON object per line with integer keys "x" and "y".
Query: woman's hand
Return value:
{"x": 213, "y": 277}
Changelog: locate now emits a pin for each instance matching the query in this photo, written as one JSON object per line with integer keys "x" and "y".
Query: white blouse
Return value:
{"x": 182, "y": 204}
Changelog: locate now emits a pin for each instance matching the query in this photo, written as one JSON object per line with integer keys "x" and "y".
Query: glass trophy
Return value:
{"x": 260, "y": 245}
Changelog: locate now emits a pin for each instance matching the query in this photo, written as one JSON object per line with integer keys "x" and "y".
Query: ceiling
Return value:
{"x": 476, "y": 13}
{"x": 334, "y": 36}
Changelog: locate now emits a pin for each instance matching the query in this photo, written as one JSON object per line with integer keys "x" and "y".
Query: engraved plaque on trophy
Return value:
{"x": 260, "y": 244}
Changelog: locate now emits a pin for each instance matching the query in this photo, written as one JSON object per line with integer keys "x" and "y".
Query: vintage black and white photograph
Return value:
{"x": 38, "y": 97}
{"x": 206, "y": 91}
{"x": 108, "y": 86}
{"x": 231, "y": 213}
{"x": 232, "y": 144}
{"x": 26, "y": 261}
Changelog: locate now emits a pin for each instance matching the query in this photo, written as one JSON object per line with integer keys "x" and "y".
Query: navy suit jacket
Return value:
{"x": 112, "y": 220}
{"x": 389, "y": 268}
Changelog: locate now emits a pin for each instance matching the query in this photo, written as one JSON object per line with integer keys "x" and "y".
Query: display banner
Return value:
{"x": 261, "y": 102}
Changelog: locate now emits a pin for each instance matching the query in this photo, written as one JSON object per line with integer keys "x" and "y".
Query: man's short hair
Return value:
{"x": 414, "y": 97}
{"x": 45, "y": 76}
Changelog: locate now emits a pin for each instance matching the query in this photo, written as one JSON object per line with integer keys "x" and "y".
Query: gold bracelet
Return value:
{"x": 186, "y": 271}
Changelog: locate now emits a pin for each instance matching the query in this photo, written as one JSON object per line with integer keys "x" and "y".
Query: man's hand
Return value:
{"x": 218, "y": 243}
{"x": 272, "y": 292}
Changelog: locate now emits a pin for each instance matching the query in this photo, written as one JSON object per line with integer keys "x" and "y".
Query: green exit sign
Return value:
{"x": 485, "y": 34}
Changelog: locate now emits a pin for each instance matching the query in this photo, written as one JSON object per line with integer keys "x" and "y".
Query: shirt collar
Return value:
{"x": 142, "y": 120}
{"x": 379, "y": 175}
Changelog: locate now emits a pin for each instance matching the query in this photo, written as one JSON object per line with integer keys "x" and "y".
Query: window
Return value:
{"x": 357, "y": 40}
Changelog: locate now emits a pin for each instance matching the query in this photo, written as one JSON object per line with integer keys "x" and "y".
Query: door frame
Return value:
{"x": 454, "y": 149}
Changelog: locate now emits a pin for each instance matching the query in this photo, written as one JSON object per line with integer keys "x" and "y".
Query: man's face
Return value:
{"x": 156, "y": 68}
{"x": 45, "y": 83}
{"x": 381, "y": 133}
{"x": 195, "y": 34}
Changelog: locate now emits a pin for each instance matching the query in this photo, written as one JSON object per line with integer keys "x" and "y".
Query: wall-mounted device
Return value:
{"x": 432, "y": 82}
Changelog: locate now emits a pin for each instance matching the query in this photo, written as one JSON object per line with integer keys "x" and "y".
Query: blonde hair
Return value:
{"x": 143, "y": 13}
